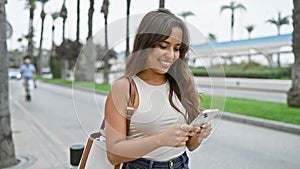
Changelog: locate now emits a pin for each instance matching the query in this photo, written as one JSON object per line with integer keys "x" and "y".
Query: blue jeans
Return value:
{"x": 180, "y": 162}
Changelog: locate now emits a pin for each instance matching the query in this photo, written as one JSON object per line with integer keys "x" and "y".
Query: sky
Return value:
{"x": 207, "y": 18}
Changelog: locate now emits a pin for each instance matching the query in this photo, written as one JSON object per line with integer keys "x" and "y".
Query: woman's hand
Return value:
{"x": 197, "y": 134}
{"x": 175, "y": 136}
{"x": 203, "y": 131}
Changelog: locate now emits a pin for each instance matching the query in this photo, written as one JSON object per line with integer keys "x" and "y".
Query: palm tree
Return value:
{"x": 232, "y": 6}
{"x": 31, "y": 5}
{"x": 90, "y": 20}
{"x": 212, "y": 37}
{"x": 54, "y": 16}
{"x": 55, "y": 68}
{"x": 278, "y": 23}
{"x": 78, "y": 21}
{"x": 63, "y": 14}
{"x": 186, "y": 14}
{"x": 161, "y": 3}
{"x": 294, "y": 92}
{"x": 7, "y": 155}
{"x": 104, "y": 10}
{"x": 127, "y": 27}
{"x": 249, "y": 29}
{"x": 61, "y": 51}
{"x": 43, "y": 15}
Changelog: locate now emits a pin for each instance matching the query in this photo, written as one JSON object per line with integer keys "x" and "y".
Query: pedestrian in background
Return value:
{"x": 27, "y": 71}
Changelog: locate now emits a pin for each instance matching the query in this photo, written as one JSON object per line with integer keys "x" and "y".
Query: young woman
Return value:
{"x": 165, "y": 99}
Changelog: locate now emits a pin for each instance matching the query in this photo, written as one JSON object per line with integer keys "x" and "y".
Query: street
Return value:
{"x": 259, "y": 89}
{"x": 60, "y": 117}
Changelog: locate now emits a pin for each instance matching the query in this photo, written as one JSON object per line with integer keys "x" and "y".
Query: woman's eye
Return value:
{"x": 162, "y": 47}
{"x": 176, "y": 49}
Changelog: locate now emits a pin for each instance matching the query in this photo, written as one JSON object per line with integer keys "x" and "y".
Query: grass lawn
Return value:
{"x": 88, "y": 85}
{"x": 261, "y": 109}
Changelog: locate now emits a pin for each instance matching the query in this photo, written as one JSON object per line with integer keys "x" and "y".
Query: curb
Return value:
{"x": 285, "y": 127}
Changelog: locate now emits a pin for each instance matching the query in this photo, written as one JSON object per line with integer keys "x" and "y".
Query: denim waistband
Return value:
{"x": 173, "y": 163}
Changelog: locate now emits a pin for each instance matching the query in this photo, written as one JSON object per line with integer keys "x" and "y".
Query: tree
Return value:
{"x": 7, "y": 151}
{"x": 78, "y": 21}
{"x": 232, "y": 6}
{"x": 64, "y": 14}
{"x": 249, "y": 29}
{"x": 90, "y": 20}
{"x": 54, "y": 16}
{"x": 294, "y": 92}
{"x": 62, "y": 48}
{"x": 278, "y": 23}
{"x": 43, "y": 15}
{"x": 186, "y": 14}
{"x": 104, "y": 10}
{"x": 54, "y": 63}
{"x": 161, "y": 3}
{"x": 127, "y": 27}
{"x": 31, "y": 5}
{"x": 212, "y": 37}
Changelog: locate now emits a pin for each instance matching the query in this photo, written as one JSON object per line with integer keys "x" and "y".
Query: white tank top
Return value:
{"x": 154, "y": 114}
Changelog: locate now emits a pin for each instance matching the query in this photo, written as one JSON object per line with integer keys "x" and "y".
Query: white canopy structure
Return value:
{"x": 264, "y": 45}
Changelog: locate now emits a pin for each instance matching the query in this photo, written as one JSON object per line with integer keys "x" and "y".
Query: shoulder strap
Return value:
{"x": 130, "y": 105}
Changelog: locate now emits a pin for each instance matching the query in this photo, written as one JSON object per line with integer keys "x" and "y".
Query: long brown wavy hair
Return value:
{"x": 155, "y": 27}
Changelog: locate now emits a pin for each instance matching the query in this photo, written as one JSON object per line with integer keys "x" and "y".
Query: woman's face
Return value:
{"x": 165, "y": 53}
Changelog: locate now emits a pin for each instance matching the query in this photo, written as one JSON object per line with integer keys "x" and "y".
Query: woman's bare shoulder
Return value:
{"x": 120, "y": 87}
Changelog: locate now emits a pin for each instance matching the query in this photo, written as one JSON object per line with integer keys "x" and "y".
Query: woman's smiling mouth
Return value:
{"x": 165, "y": 64}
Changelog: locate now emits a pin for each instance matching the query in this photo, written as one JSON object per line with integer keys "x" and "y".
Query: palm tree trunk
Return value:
{"x": 104, "y": 10}
{"x": 106, "y": 68}
{"x": 161, "y": 3}
{"x": 78, "y": 21}
{"x": 294, "y": 92}
{"x": 278, "y": 54}
{"x": 90, "y": 20}
{"x": 63, "y": 29}
{"x": 127, "y": 28}
{"x": 7, "y": 155}
{"x": 231, "y": 26}
{"x": 30, "y": 35}
{"x": 41, "y": 41}
{"x": 53, "y": 44}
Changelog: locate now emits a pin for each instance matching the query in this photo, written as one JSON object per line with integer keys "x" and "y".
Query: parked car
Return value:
{"x": 14, "y": 73}
{"x": 46, "y": 73}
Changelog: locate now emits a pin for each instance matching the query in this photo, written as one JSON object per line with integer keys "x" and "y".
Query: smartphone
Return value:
{"x": 206, "y": 116}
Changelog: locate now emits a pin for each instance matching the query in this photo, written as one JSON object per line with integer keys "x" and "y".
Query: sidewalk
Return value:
{"x": 33, "y": 148}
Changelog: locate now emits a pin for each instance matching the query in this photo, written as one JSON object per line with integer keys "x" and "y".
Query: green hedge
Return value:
{"x": 245, "y": 72}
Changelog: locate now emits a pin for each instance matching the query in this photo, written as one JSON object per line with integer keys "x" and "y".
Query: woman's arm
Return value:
{"x": 119, "y": 149}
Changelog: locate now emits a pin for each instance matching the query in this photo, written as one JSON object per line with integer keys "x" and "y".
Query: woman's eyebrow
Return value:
{"x": 169, "y": 43}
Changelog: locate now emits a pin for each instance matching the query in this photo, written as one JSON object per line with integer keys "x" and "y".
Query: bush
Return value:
{"x": 245, "y": 71}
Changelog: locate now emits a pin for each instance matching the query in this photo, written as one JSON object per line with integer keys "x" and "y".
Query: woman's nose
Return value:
{"x": 170, "y": 54}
